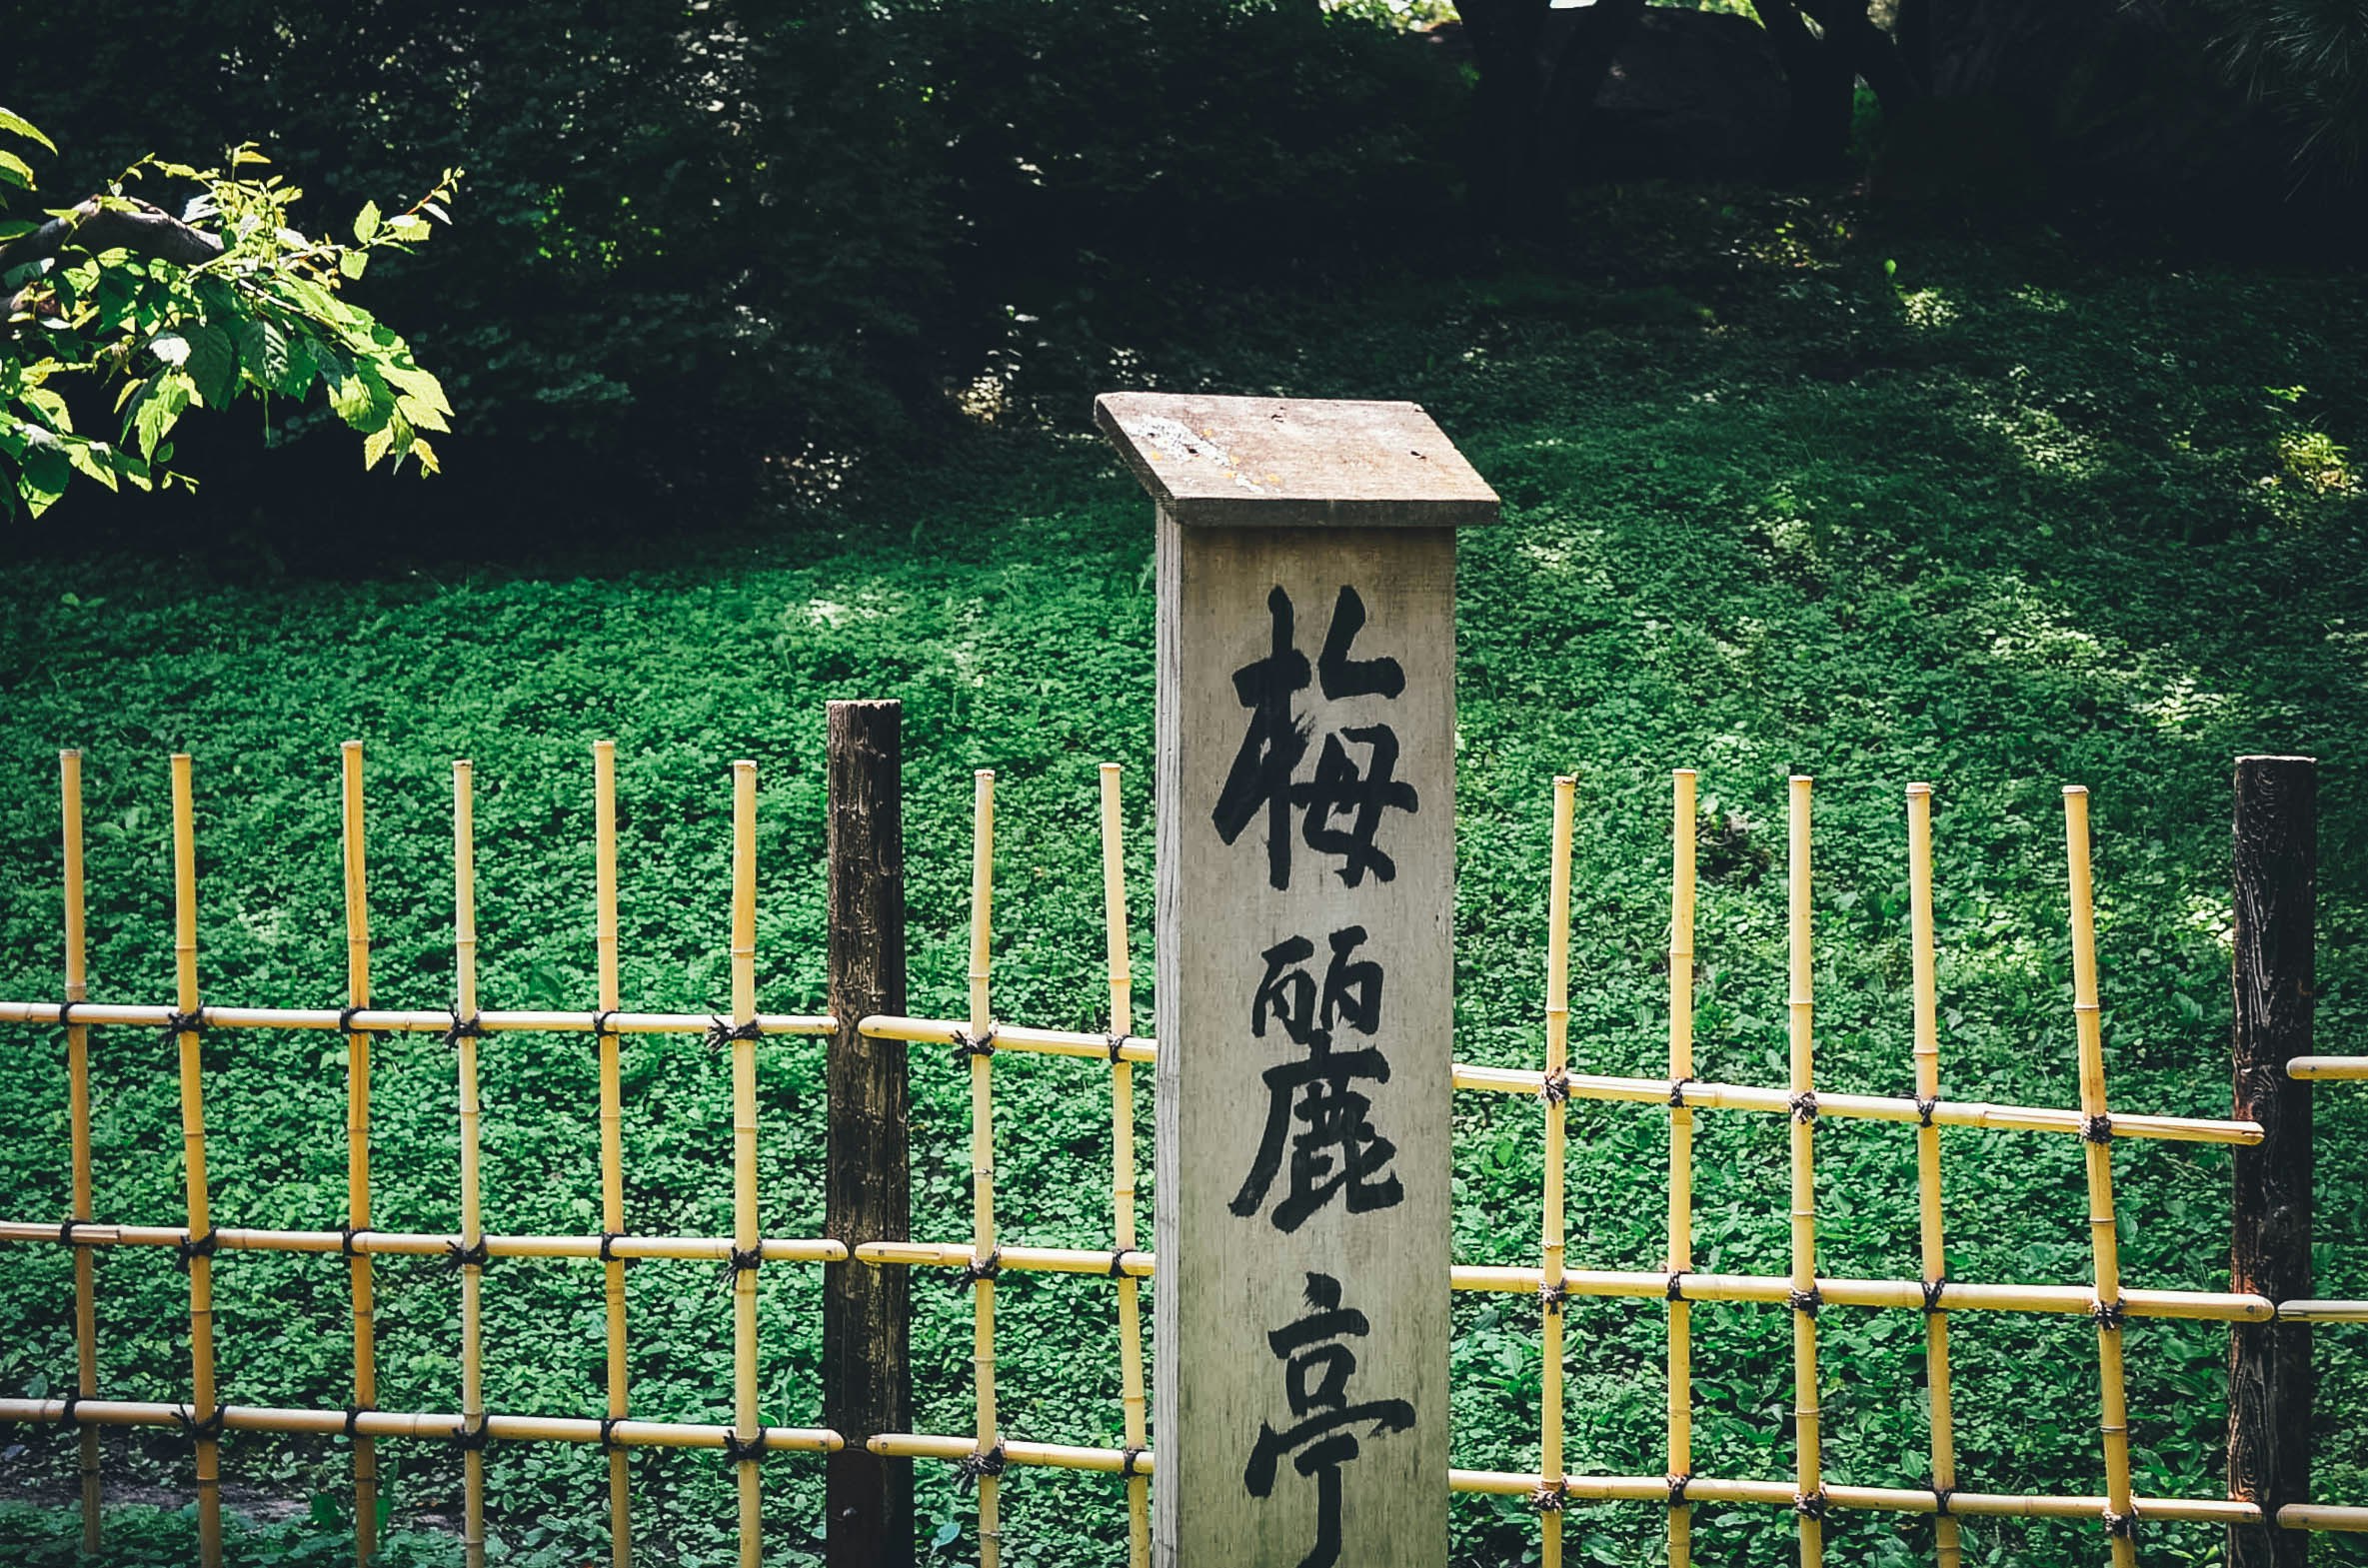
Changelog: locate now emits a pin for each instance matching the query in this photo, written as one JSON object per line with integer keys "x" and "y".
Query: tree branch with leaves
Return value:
{"x": 227, "y": 300}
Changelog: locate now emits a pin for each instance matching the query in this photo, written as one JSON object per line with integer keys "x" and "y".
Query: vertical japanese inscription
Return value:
{"x": 1306, "y": 848}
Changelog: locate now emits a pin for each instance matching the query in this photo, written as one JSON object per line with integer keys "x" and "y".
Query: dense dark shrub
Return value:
{"x": 706, "y": 238}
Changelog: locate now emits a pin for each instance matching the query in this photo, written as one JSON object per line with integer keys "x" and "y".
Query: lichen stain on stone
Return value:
{"x": 1177, "y": 442}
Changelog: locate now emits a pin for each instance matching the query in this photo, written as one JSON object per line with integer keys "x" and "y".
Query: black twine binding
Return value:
{"x": 1809, "y": 1505}
{"x": 207, "y": 1431}
{"x": 746, "y": 1258}
{"x": 190, "y": 1022}
{"x": 353, "y": 1420}
{"x": 1549, "y": 1499}
{"x": 468, "y": 1028}
{"x": 608, "y": 1246}
{"x": 1804, "y": 1106}
{"x": 1128, "y": 1459}
{"x": 1117, "y": 1261}
{"x": 608, "y": 1434}
{"x": 1116, "y": 1044}
{"x": 66, "y": 1013}
{"x": 600, "y": 1024}
{"x": 1677, "y": 1486}
{"x": 971, "y": 1469}
{"x": 1932, "y": 1290}
{"x": 1941, "y": 1501}
{"x": 2107, "y": 1317}
{"x": 187, "y": 1250}
{"x": 736, "y": 1452}
{"x": 1675, "y": 1288}
{"x": 1677, "y": 1092}
{"x": 721, "y": 1034}
{"x": 345, "y": 1022}
{"x": 457, "y": 1257}
{"x": 2096, "y": 1129}
{"x": 967, "y": 1045}
{"x": 468, "y": 1440}
{"x": 973, "y": 1272}
{"x": 1554, "y": 1087}
{"x": 66, "y": 1232}
{"x": 67, "y": 1419}
{"x": 349, "y": 1239}
{"x": 1550, "y": 1297}
{"x": 1925, "y": 1110}
{"x": 1805, "y": 1301}
{"x": 2123, "y": 1525}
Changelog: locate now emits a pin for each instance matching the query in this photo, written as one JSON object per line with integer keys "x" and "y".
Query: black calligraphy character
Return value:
{"x": 1346, "y": 677}
{"x": 1336, "y": 1150}
{"x": 1339, "y": 789}
{"x": 1318, "y": 1363}
{"x": 1273, "y": 745}
{"x": 1288, "y": 992}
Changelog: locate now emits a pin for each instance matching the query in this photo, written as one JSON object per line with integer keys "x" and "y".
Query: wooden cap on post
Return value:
{"x": 1214, "y": 462}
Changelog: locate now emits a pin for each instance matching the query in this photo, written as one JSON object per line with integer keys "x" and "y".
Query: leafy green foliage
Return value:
{"x": 734, "y": 244}
{"x": 1996, "y": 519}
{"x": 259, "y": 316}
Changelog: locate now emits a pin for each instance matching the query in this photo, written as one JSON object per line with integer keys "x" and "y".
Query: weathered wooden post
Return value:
{"x": 1306, "y": 870}
{"x": 868, "y": 1380}
{"x": 2275, "y": 890}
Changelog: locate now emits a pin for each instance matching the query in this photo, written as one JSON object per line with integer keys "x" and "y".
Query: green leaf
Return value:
{"x": 376, "y": 445}
{"x": 170, "y": 347}
{"x": 16, "y": 171}
{"x": 213, "y": 365}
{"x": 91, "y": 458}
{"x": 15, "y": 228}
{"x": 366, "y": 225}
{"x": 10, "y": 120}
{"x": 351, "y": 263}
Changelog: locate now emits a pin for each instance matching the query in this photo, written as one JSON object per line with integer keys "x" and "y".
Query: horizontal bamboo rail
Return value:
{"x": 2319, "y": 1516}
{"x": 2323, "y": 1311}
{"x": 392, "y": 1021}
{"x": 1696, "y": 1094}
{"x": 413, "y": 1243}
{"x": 2327, "y": 1068}
{"x": 1653, "y": 1488}
{"x": 445, "y": 1426}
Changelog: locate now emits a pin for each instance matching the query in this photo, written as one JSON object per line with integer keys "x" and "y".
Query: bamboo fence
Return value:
{"x": 983, "y": 1454}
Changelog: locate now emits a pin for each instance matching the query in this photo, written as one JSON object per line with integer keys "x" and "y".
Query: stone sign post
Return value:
{"x": 1306, "y": 873}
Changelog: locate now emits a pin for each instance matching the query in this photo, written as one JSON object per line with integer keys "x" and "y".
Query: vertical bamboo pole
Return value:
{"x": 1809, "y": 1464}
{"x": 1557, "y": 1063}
{"x": 1680, "y": 1254}
{"x": 192, "y": 1160}
{"x": 86, "y": 1334}
{"x": 2097, "y": 1145}
{"x": 744, "y": 1151}
{"x": 464, "y": 943}
{"x": 1122, "y": 1111}
{"x": 612, "y": 1124}
{"x": 1935, "y": 1256}
{"x": 982, "y": 1023}
{"x": 357, "y": 1143}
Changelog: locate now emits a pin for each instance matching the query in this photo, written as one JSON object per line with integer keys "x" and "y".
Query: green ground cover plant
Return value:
{"x": 1789, "y": 493}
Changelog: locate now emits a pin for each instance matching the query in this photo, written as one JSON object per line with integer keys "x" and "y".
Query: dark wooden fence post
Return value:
{"x": 2269, "y": 1373}
{"x": 867, "y": 1377}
